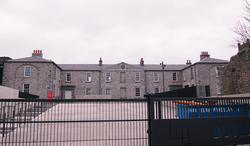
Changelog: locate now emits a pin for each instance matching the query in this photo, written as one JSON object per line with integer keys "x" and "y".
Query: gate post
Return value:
{"x": 150, "y": 106}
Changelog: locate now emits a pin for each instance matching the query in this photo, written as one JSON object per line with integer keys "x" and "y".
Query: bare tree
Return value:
{"x": 242, "y": 28}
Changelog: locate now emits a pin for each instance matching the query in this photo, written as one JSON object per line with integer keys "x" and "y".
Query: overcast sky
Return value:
{"x": 82, "y": 31}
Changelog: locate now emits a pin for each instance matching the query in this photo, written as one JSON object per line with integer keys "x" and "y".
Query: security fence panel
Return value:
{"x": 199, "y": 121}
{"x": 74, "y": 122}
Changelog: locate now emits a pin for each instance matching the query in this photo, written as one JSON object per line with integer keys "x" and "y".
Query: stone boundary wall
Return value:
{"x": 235, "y": 77}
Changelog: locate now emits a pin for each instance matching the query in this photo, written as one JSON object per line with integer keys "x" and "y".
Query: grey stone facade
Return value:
{"x": 120, "y": 80}
{"x": 204, "y": 75}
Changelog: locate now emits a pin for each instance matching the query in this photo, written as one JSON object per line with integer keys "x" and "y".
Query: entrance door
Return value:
{"x": 68, "y": 94}
{"x": 207, "y": 90}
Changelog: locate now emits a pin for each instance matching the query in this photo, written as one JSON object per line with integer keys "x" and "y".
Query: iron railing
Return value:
{"x": 75, "y": 122}
{"x": 103, "y": 121}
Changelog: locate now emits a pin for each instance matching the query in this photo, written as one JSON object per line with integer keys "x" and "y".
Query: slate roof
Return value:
{"x": 74, "y": 67}
{"x": 96, "y": 67}
{"x": 212, "y": 60}
{"x": 159, "y": 67}
{"x": 30, "y": 59}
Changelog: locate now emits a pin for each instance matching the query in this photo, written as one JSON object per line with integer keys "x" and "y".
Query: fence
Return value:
{"x": 74, "y": 122}
{"x": 199, "y": 121}
{"x": 135, "y": 122}
{"x": 179, "y": 108}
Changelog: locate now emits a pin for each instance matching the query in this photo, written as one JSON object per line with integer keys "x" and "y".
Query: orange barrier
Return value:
{"x": 187, "y": 102}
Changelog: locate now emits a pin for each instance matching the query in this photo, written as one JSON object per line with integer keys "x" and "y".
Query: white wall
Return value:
{"x": 8, "y": 93}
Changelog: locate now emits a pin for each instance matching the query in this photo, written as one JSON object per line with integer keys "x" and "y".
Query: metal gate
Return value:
{"x": 199, "y": 121}
{"x": 74, "y": 122}
{"x": 153, "y": 121}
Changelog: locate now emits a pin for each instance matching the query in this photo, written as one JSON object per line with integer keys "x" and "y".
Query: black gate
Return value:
{"x": 135, "y": 122}
{"x": 74, "y": 122}
{"x": 199, "y": 121}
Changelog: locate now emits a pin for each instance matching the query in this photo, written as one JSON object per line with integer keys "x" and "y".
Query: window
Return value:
{"x": 157, "y": 90}
{"x": 54, "y": 72}
{"x": 88, "y": 91}
{"x": 27, "y": 71}
{"x": 108, "y": 91}
{"x": 174, "y": 76}
{"x": 218, "y": 89}
{"x": 68, "y": 76}
{"x": 156, "y": 77}
{"x": 137, "y": 92}
{"x": 184, "y": 77}
{"x": 26, "y": 88}
{"x": 108, "y": 77}
{"x": 216, "y": 72}
{"x": 192, "y": 75}
{"x": 88, "y": 75}
{"x": 137, "y": 77}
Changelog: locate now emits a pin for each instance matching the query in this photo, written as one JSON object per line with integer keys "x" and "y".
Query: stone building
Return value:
{"x": 2, "y": 61}
{"x": 235, "y": 77}
{"x": 36, "y": 75}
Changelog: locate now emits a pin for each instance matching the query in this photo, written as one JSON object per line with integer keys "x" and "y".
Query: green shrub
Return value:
{"x": 241, "y": 52}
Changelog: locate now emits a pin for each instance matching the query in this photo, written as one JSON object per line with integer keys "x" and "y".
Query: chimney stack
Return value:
{"x": 37, "y": 53}
{"x": 100, "y": 61}
{"x": 142, "y": 62}
{"x": 188, "y": 62}
{"x": 204, "y": 55}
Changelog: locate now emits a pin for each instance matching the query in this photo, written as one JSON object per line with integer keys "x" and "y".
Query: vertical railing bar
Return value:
{"x": 13, "y": 122}
{"x": 23, "y": 120}
{"x": 1, "y": 117}
{"x": 71, "y": 114}
{"x": 4, "y": 123}
{"x": 32, "y": 124}
{"x": 8, "y": 125}
{"x": 150, "y": 116}
{"x": 78, "y": 124}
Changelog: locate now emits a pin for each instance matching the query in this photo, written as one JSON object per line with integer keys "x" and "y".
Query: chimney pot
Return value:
{"x": 142, "y": 62}
{"x": 100, "y": 61}
{"x": 188, "y": 62}
{"x": 37, "y": 53}
{"x": 204, "y": 55}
